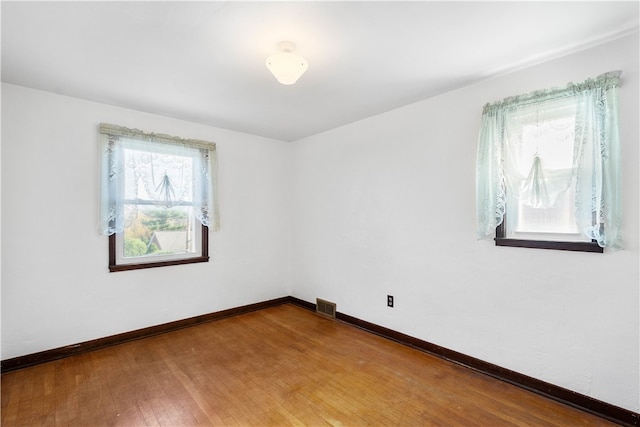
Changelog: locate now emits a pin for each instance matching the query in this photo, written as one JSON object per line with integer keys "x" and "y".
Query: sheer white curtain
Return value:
{"x": 156, "y": 169}
{"x": 536, "y": 174}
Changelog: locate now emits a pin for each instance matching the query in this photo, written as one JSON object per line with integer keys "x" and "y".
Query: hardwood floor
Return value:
{"x": 275, "y": 367}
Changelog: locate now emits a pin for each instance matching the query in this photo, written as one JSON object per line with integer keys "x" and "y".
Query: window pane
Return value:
{"x": 548, "y": 134}
{"x": 155, "y": 231}
{"x": 552, "y": 140}
{"x": 560, "y": 218}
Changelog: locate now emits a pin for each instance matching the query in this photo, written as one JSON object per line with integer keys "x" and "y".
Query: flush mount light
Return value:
{"x": 286, "y": 66}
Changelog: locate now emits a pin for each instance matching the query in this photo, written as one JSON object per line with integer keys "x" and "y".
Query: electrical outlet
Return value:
{"x": 390, "y": 300}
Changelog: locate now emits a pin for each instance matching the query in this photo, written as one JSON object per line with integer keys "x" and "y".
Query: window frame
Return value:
{"x": 110, "y": 188}
{"x": 597, "y": 131}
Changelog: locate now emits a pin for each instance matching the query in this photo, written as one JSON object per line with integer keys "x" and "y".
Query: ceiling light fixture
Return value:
{"x": 286, "y": 66}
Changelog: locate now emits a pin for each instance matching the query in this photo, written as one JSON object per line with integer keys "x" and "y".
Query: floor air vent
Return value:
{"x": 325, "y": 307}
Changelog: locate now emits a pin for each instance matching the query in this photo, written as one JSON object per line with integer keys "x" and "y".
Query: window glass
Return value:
{"x": 160, "y": 222}
{"x": 551, "y": 140}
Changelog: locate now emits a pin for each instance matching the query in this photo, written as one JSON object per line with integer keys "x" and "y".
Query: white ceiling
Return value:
{"x": 205, "y": 61}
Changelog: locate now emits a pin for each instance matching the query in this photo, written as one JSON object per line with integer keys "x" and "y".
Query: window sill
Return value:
{"x": 126, "y": 267}
{"x": 542, "y": 244}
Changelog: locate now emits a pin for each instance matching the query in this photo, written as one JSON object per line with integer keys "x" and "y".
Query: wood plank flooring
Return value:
{"x": 279, "y": 366}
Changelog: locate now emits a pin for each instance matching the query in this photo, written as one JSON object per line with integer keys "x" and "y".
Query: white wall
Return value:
{"x": 56, "y": 288}
{"x": 386, "y": 206}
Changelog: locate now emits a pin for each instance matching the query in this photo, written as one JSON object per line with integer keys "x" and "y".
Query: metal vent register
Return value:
{"x": 326, "y": 307}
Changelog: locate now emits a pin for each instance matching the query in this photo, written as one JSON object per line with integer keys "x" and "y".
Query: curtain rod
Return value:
{"x": 606, "y": 80}
{"x": 109, "y": 129}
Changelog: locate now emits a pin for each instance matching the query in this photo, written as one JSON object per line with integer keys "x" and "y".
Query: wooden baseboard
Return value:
{"x": 597, "y": 407}
{"x": 83, "y": 347}
{"x": 602, "y": 409}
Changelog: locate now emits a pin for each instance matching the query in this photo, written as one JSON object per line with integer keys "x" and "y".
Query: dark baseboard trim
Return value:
{"x": 20, "y": 362}
{"x": 585, "y": 403}
{"x": 602, "y": 409}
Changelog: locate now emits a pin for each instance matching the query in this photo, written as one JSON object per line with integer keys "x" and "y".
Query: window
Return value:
{"x": 157, "y": 198}
{"x": 548, "y": 171}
